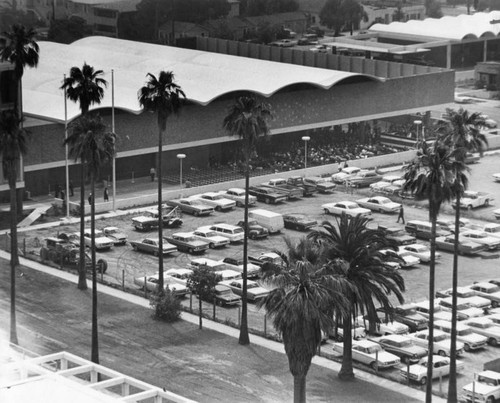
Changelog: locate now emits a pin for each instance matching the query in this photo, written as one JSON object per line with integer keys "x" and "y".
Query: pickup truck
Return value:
{"x": 308, "y": 189}
{"x": 149, "y": 219}
{"x": 486, "y": 388}
{"x": 151, "y": 245}
{"x": 192, "y": 206}
{"x": 323, "y": 185}
{"x": 238, "y": 195}
{"x": 472, "y": 199}
{"x": 282, "y": 186}
{"x": 266, "y": 194}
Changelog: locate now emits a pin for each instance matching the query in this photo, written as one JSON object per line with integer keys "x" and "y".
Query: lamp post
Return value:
{"x": 181, "y": 157}
{"x": 417, "y": 123}
{"x": 306, "y": 139}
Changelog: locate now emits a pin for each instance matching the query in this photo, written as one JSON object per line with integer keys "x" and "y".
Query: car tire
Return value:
{"x": 196, "y": 213}
{"x": 44, "y": 254}
{"x": 190, "y": 250}
{"x": 134, "y": 247}
{"x": 102, "y": 266}
{"x": 326, "y": 211}
{"x": 469, "y": 207}
{"x": 218, "y": 208}
{"x": 374, "y": 365}
{"x": 423, "y": 381}
{"x": 156, "y": 253}
{"x": 267, "y": 200}
{"x": 442, "y": 353}
{"x": 239, "y": 204}
{"x": 486, "y": 203}
{"x": 211, "y": 245}
{"x": 493, "y": 342}
{"x": 467, "y": 347}
{"x": 252, "y": 236}
{"x": 494, "y": 304}
{"x": 490, "y": 399}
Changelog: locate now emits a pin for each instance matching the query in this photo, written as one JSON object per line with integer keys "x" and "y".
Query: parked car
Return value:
{"x": 299, "y": 222}
{"x": 483, "y": 238}
{"x": 468, "y": 296}
{"x": 225, "y": 297}
{"x": 379, "y": 203}
{"x": 383, "y": 327}
{"x": 363, "y": 179}
{"x": 151, "y": 245}
{"x": 423, "y": 308}
{"x": 187, "y": 242}
{"x": 207, "y": 235}
{"x": 387, "y": 180}
{"x": 149, "y": 219}
{"x": 421, "y": 251}
{"x": 265, "y": 257}
{"x": 323, "y": 185}
{"x": 180, "y": 276}
{"x": 119, "y": 237}
{"x": 70, "y": 237}
{"x": 496, "y": 177}
{"x": 397, "y": 235}
{"x": 442, "y": 342}
{"x": 254, "y": 290}
{"x": 485, "y": 388}
{"x": 496, "y": 213}
{"x": 267, "y": 195}
{"x": 231, "y": 232}
{"x": 440, "y": 367}
{"x": 320, "y": 48}
{"x": 486, "y": 327}
{"x": 369, "y": 353}
{"x": 402, "y": 346}
{"x": 195, "y": 207}
{"x": 487, "y": 121}
{"x": 344, "y": 174}
{"x": 423, "y": 230}
{"x": 307, "y": 188}
{"x": 102, "y": 242}
{"x": 236, "y": 264}
{"x": 254, "y": 230}
{"x": 399, "y": 259}
{"x": 471, "y": 340}
{"x": 152, "y": 281}
{"x": 238, "y": 195}
{"x": 492, "y": 229}
{"x": 408, "y": 315}
{"x": 350, "y": 208}
{"x": 447, "y": 243}
{"x": 487, "y": 290}
{"x": 282, "y": 186}
{"x": 448, "y": 224}
{"x": 462, "y": 306}
{"x": 472, "y": 199}
{"x": 216, "y": 200}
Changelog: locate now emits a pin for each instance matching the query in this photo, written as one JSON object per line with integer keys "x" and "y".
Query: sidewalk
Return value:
{"x": 54, "y": 316}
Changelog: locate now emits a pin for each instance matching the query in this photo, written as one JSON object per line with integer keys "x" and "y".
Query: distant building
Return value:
{"x": 378, "y": 13}
{"x": 295, "y": 21}
{"x": 180, "y": 30}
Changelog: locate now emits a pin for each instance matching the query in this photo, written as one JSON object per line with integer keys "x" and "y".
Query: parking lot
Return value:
{"x": 124, "y": 263}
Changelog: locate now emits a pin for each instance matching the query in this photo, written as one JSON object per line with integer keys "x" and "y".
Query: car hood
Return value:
{"x": 473, "y": 338}
{"x": 480, "y": 388}
{"x": 411, "y": 259}
{"x": 103, "y": 239}
{"x": 258, "y": 291}
{"x": 177, "y": 287}
{"x": 472, "y": 312}
{"x": 384, "y": 356}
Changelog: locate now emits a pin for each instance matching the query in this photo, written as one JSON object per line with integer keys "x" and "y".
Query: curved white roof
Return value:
{"x": 453, "y": 28}
{"x": 203, "y": 76}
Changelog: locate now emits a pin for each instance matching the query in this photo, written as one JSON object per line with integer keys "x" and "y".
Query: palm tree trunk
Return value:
{"x": 95, "y": 340}
{"x": 82, "y": 271}
{"x": 432, "y": 270}
{"x": 299, "y": 389}
{"x": 244, "y": 338}
{"x": 160, "y": 213}
{"x": 346, "y": 371}
{"x": 452, "y": 384}
{"x": 14, "y": 259}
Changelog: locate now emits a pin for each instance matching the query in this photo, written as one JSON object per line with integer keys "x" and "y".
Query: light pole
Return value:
{"x": 181, "y": 157}
{"x": 306, "y": 139}
{"x": 417, "y": 123}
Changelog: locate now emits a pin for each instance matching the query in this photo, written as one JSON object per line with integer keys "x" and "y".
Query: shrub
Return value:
{"x": 165, "y": 306}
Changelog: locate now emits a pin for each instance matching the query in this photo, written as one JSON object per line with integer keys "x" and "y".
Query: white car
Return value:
{"x": 492, "y": 229}
{"x": 320, "y": 49}
{"x": 487, "y": 290}
{"x": 384, "y": 327}
{"x": 442, "y": 342}
{"x": 179, "y": 290}
{"x": 228, "y": 274}
{"x": 350, "y": 208}
{"x": 496, "y": 213}
{"x": 486, "y": 327}
{"x": 440, "y": 367}
{"x": 216, "y": 200}
{"x": 423, "y": 308}
{"x": 238, "y": 195}
{"x": 180, "y": 276}
{"x": 463, "y": 308}
{"x": 381, "y": 204}
{"x": 254, "y": 290}
{"x": 102, "y": 242}
{"x": 487, "y": 121}
{"x": 386, "y": 181}
{"x": 369, "y": 353}
{"x": 346, "y": 173}
{"x": 408, "y": 260}
{"x": 496, "y": 177}
{"x": 482, "y": 238}
{"x": 485, "y": 388}
{"x": 231, "y": 232}
{"x": 213, "y": 238}
{"x": 419, "y": 250}
{"x": 471, "y": 340}
{"x": 114, "y": 233}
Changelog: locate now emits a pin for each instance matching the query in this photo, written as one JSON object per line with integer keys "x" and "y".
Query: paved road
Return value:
{"x": 205, "y": 365}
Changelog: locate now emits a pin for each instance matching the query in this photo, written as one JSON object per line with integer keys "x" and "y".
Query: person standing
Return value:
{"x": 152, "y": 173}
{"x": 90, "y": 199}
{"x": 71, "y": 188}
{"x": 401, "y": 215}
{"x": 106, "y": 195}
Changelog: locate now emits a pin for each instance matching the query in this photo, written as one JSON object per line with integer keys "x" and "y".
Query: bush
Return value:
{"x": 165, "y": 306}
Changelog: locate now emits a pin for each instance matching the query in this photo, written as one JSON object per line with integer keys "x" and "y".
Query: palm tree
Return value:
{"x": 301, "y": 303}
{"x": 12, "y": 147}
{"x": 370, "y": 278}
{"x": 84, "y": 86}
{"x": 94, "y": 146}
{"x": 247, "y": 119}
{"x": 433, "y": 176}
{"x": 21, "y": 50}
{"x": 464, "y": 136}
{"x": 164, "y": 97}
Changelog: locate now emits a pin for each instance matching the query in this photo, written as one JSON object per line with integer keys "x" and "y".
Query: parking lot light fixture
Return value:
{"x": 306, "y": 139}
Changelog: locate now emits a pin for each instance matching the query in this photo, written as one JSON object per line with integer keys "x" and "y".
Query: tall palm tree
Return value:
{"x": 21, "y": 50}
{"x": 432, "y": 176}
{"x": 84, "y": 86}
{"x": 247, "y": 118}
{"x": 164, "y": 97}
{"x": 12, "y": 147}
{"x": 370, "y": 278}
{"x": 464, "y": 136}
{"x": 301, "y": 305}
{"x": 94, "y": 146}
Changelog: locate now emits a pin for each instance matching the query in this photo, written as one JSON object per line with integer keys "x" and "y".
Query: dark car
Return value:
{"x": 298, "y": 222}
{"x": 267, "y": 195}
{"x": 225, "y": 296}
{"x": 408, "y": 315}
{"x": 397, "y": 235}
{"x": 363, "y": 179}
{"x": 254, "y": 230}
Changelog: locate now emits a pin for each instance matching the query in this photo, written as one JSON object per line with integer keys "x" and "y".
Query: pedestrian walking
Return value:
{"x": 58, "y": 191}
{"x": 401, "y": 215}
{"x": 152, "y": 173}
{"x": 71, "y": 188}
{"x": 63, "y": 195}
{"x": 90, "y": 199}
{"x": 106, "y": 195}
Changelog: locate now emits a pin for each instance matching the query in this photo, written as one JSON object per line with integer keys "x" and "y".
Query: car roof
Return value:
{"x": 236, "y": 190}
{"x": 364, "y": 343}
{"x": 227, "y": 226}
{"x": 485, "y": 284}
{"x": 395, "y": 337}
{"x": 180, "y": 271}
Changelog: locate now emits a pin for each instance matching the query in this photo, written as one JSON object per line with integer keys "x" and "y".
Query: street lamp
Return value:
{"x": 181, "y": 157}
{"x": 417, "y": 123}
{"x": 306, "y": 139}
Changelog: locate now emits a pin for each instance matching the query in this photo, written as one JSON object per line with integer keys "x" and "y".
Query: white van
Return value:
{"x": 268, "y": 219}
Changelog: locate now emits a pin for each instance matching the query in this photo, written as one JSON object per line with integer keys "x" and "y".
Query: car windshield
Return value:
{"x": 112, "y": 231}
{"x": 238, "y": 231}
{"x": 440, "y": 337}
{"x": 217, "y": 197}
{"x": 252, "y": 286}
{"x": 208, "y": 234}
{"x": 464, "y": 332}
{"x": 487, "y": 380}
{"x": 461, "y": 307}
{"x": 403, "y": 343}
{"x": 374, "y": 349}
